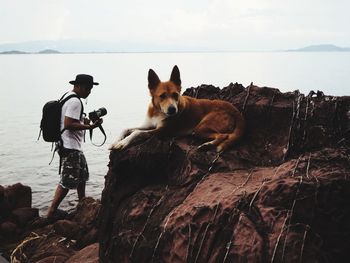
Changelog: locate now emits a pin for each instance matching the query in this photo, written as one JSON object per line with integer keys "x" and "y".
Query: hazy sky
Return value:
{"x": 217, "y": 24}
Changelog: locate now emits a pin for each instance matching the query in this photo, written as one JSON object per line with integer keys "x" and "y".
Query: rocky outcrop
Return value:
{"x": 15, "y": 212}
{"x": 280, "y": 195}
{"x": 64, "y": 238}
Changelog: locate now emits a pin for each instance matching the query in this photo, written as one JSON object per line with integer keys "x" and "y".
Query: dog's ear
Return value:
{"x": 153, "y": 79}
{"x": 175, "y": 76}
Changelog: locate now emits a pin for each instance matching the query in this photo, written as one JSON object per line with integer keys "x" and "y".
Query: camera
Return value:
{"x": 97, "y": 114}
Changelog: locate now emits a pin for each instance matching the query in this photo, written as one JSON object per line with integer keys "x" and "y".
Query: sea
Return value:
{"x": 28, "y": 81}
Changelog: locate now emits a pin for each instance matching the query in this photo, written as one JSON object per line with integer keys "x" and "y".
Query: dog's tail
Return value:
{"x": 235, "y": 135}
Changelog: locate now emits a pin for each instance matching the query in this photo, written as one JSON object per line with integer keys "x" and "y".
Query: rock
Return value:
{"x": 12, "y": 197}
{"x": 15, "y": 213}
{"x": 67, "y": 229}
{"x": 86, "y": 215}
{"x": 43, "y": 246}
{"x": 88, "y": 238}
{"x": 8, "y": 230}
{"x": 3, "y": 260}
{"x": 88, "y": 254}
{"x": 18, "y": 196}
{"x": 24, "y": 215}
{"x": 86, "y": 212}
{"x": 282, "y": 194}
{"x": 53, "y": 259}
{"x": 3, "y": 204}
{"x": 58, "y": 238}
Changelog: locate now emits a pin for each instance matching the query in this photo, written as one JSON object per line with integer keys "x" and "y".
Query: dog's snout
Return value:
{"x": 171, "y": 110}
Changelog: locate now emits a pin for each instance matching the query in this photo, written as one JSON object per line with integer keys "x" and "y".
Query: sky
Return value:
{"x": 233, "y": 25}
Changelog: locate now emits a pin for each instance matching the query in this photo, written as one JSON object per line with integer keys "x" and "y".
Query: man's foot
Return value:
{"x": 56, "y": 214}
{"x": 50, "y": 213}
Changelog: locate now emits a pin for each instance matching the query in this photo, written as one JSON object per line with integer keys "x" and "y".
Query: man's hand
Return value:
{"x": 97, "y": 123}
{"x": 87, "y": 121}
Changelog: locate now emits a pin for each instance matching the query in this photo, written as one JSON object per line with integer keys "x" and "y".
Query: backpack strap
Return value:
{"x": 63, "y": 101}
{"x": 63, "y": 96}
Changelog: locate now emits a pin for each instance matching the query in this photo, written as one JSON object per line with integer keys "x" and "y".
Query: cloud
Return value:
{"x": 221, "y": 24}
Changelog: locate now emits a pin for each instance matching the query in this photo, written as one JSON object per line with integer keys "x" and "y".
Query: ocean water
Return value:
{"x": 28, "y": 81}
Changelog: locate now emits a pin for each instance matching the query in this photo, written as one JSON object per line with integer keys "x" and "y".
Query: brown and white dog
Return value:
{"x": 216, "y": 121}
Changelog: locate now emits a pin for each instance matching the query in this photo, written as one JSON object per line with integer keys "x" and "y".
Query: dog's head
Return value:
{"x": 165, "y": 95}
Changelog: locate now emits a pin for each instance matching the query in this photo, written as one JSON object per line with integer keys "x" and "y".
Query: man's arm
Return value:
{"x": 73, "y": 124}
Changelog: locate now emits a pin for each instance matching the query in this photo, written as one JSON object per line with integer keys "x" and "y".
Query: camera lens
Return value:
{"x": 101, "y": 112}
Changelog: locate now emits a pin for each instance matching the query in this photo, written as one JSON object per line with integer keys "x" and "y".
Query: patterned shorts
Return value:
{"x": 74, "y": 168}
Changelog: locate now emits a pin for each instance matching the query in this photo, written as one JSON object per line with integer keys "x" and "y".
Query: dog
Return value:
{"x": 217, "y": 122}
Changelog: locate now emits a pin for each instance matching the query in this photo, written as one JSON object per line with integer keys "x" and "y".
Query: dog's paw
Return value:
{"x": 125, "y": 133}
{"x": 119, "y": 145}
{"x": 116, "y": 146}
{"x": 111, "y": 147}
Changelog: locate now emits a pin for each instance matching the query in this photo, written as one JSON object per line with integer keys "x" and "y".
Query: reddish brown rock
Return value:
{"x": 15, "y": 213}
{"x": 9, "y": 230}
{"x": 87, "y": 238}
{"x": 3, "y": 205}
{"x": 57, "y": 240}
{"x": 24, "y": 215}
{"x": 12, "y": 197}
{"x": 53, "y": 259}
{"x": 88, "y": 254}
{"x": 85, "y": 216}
{"x": 86, "y": 212}
{"x": 43, "y": 246}
{"x": 67, "y": 228}
{"x": 280, "y": 195}
{"x": 17, "y": 196}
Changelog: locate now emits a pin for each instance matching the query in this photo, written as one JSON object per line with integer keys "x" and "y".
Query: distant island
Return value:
{"x": 321, "y": 48}
{"x": 49, "y": 51}
{"x": 17, "y": 52}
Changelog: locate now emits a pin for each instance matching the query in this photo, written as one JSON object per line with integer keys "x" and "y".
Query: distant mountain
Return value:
{"x": 49, "y": 51}
{"x": 17, "y": 52}
{"x": 321, "y": 48}
{"x": 13, "y": 52}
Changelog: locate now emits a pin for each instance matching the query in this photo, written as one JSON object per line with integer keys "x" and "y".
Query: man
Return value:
{"x": 74, "y": 172}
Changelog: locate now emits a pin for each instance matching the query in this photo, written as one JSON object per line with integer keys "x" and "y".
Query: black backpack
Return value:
{"x": 50, "y": 125}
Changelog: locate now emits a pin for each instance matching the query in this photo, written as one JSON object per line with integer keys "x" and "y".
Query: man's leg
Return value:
{"x": 81, "y": 190}
{"x": 83, "y": 176}
{"x": 57, "y": 199}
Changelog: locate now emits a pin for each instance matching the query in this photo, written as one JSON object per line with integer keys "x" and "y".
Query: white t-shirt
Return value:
{"x": 72, "y": 109}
